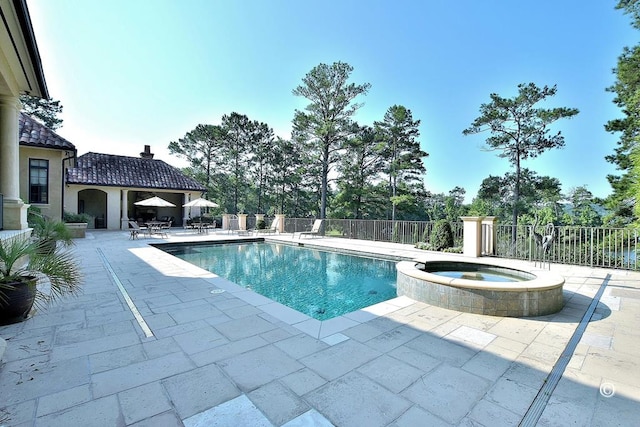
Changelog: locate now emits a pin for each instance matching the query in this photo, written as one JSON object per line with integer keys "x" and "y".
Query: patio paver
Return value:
{"x": 221, "y": 354}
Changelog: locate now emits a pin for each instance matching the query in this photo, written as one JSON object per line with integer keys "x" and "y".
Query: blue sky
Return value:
{"x": 136, "y": 72}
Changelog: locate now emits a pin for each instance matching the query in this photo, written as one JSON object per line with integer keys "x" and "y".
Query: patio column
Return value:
{"x": 489, "y": 235}
{"x": 280, "y": 223}
{"x": 472, "y": 236}
{"x": 15, "y": 210}
{"x": 186, "y": 212}
{"x": 242, "y": 221}
{"x": 124, "y": 214}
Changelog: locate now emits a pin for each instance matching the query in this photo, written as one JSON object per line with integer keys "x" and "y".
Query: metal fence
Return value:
{"x": 406, "y": 232}
{"x": 590, "y": 246}
{"x": 587, "y": 246}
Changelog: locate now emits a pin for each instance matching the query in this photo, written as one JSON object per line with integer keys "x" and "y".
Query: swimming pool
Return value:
{"x": 319, "y": 284}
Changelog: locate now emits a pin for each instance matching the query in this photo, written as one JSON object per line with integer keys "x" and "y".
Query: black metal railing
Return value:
{"x": 587, "y": 246}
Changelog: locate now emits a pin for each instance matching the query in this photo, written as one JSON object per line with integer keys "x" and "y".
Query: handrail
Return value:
{"x": 606, "y": 247}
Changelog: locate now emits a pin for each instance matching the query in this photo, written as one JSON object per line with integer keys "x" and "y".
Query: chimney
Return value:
{"x": 147, "y": 154}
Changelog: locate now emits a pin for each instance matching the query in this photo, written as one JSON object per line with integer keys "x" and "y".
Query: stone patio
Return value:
{"x": 202, "y": 351}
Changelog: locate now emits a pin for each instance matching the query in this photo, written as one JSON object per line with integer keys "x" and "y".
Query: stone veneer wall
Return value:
{"x": 510, "y": 303}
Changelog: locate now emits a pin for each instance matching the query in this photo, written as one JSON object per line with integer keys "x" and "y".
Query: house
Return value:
{"x": 44, "y": 156}
{"x": 106, "y": 186}
{"x": 20, "y": 72}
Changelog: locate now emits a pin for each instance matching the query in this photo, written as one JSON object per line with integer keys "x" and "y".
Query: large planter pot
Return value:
{"x": 77, "y": 229}
{"x": 17, "y": 299}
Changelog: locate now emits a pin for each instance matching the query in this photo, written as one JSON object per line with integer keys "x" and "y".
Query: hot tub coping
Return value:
{"x": 543, "y": 280}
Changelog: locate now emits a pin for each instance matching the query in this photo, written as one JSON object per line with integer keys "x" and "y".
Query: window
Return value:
{"x": 38, "y": 181}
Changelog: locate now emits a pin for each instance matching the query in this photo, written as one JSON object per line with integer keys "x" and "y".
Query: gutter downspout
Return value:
{"x": 64, "y": 180}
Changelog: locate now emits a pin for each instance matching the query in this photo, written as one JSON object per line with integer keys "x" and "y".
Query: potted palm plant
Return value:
{"x": 23, "y": 267}
{"x": 48, "y": 232}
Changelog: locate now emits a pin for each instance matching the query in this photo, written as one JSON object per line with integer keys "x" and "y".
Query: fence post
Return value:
{"x": 242, "y": 221}
{"x": 489, "y": 235}
{"x": 472, "y": 236}
{"x": 225, "y": 221}
{"x": 280, "y": 225}
{"x": 591, "y": 247}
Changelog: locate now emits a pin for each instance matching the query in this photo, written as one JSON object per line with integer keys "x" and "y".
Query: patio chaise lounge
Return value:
{"x": 315, "y": 230}
{"x": 272, "y": 229}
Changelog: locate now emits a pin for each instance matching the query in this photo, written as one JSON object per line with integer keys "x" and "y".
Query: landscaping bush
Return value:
{"x": 442, "y": 237}
{"x": 76, "y": 217}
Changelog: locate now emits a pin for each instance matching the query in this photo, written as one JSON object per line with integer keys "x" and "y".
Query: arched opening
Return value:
{"x": 94, "y": 203}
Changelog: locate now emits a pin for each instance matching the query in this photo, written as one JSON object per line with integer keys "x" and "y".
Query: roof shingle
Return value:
{"x": 121, "y": 171}
{"x": 35, "y": 134}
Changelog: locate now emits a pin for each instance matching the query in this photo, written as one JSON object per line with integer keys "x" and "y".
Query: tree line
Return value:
{"x": 331, "y": 166}
{"x": 335, "y": 167}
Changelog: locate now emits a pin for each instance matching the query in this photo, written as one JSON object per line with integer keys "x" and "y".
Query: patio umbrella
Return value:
{"x": 200, "y": 203}
{"x": 156, "y": 202}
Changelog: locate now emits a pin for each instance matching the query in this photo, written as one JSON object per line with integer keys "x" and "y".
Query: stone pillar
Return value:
{"x": 242, "y": 221}
{"x": 124, "y": 213}
{"x": 280, "y": 226}
{"x": 226, "y": 218}
{"x": 15, "y": 210}
{"x": 472, "y": 236}
{"x": 489, "y": 235}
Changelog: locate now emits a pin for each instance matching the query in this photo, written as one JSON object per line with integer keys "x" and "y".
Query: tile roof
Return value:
{"x": 34, "y": 134}
{"x": 121, "y": 171}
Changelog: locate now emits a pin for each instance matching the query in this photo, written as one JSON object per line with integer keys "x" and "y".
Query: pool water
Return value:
{"x": 319, "y": 284}
{"x": 475, "y": 275}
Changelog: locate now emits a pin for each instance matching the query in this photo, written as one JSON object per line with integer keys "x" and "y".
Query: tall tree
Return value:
{"x": 454, "y": 204}
{"x": 326, "y": 122}
{"x": 520, "y": 130}
{"x": 495, "y": 195}
{"x": 359, "y": 167}
{"x": 625, "y": 198}
{"x": 44, "y": 110}
{"x": 201, "y": 147}
{"x": 399, "y": 132}
{"x": 239, "y": 131}
{"x": 294, "y": 188}
{"x": 262, "y": 157}
{"x": 583, "y": 212}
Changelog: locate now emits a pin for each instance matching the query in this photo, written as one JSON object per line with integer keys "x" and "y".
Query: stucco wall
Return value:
{"x": 52, "y": 209}
{"x": 102, "y": 203}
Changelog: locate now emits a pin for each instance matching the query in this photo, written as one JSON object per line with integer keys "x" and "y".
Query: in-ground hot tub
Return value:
{"x": 477, "y": 286}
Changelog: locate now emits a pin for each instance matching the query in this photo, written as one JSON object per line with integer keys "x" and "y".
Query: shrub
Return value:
{"x": 426, "y": 234}
{"x": 75, "y": 217}
{"x": 260, "y": 225}
{"x": 425, "y": 246}
{"x": 442, "y": 236}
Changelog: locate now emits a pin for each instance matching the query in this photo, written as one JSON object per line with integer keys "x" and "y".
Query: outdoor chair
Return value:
{"x": 135, "y": 230}
{"x": 163, "y": 229}
{"x": 234, "y": 224}
{"x": 272, "y": 229}
{"x": 315, "y": 230}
